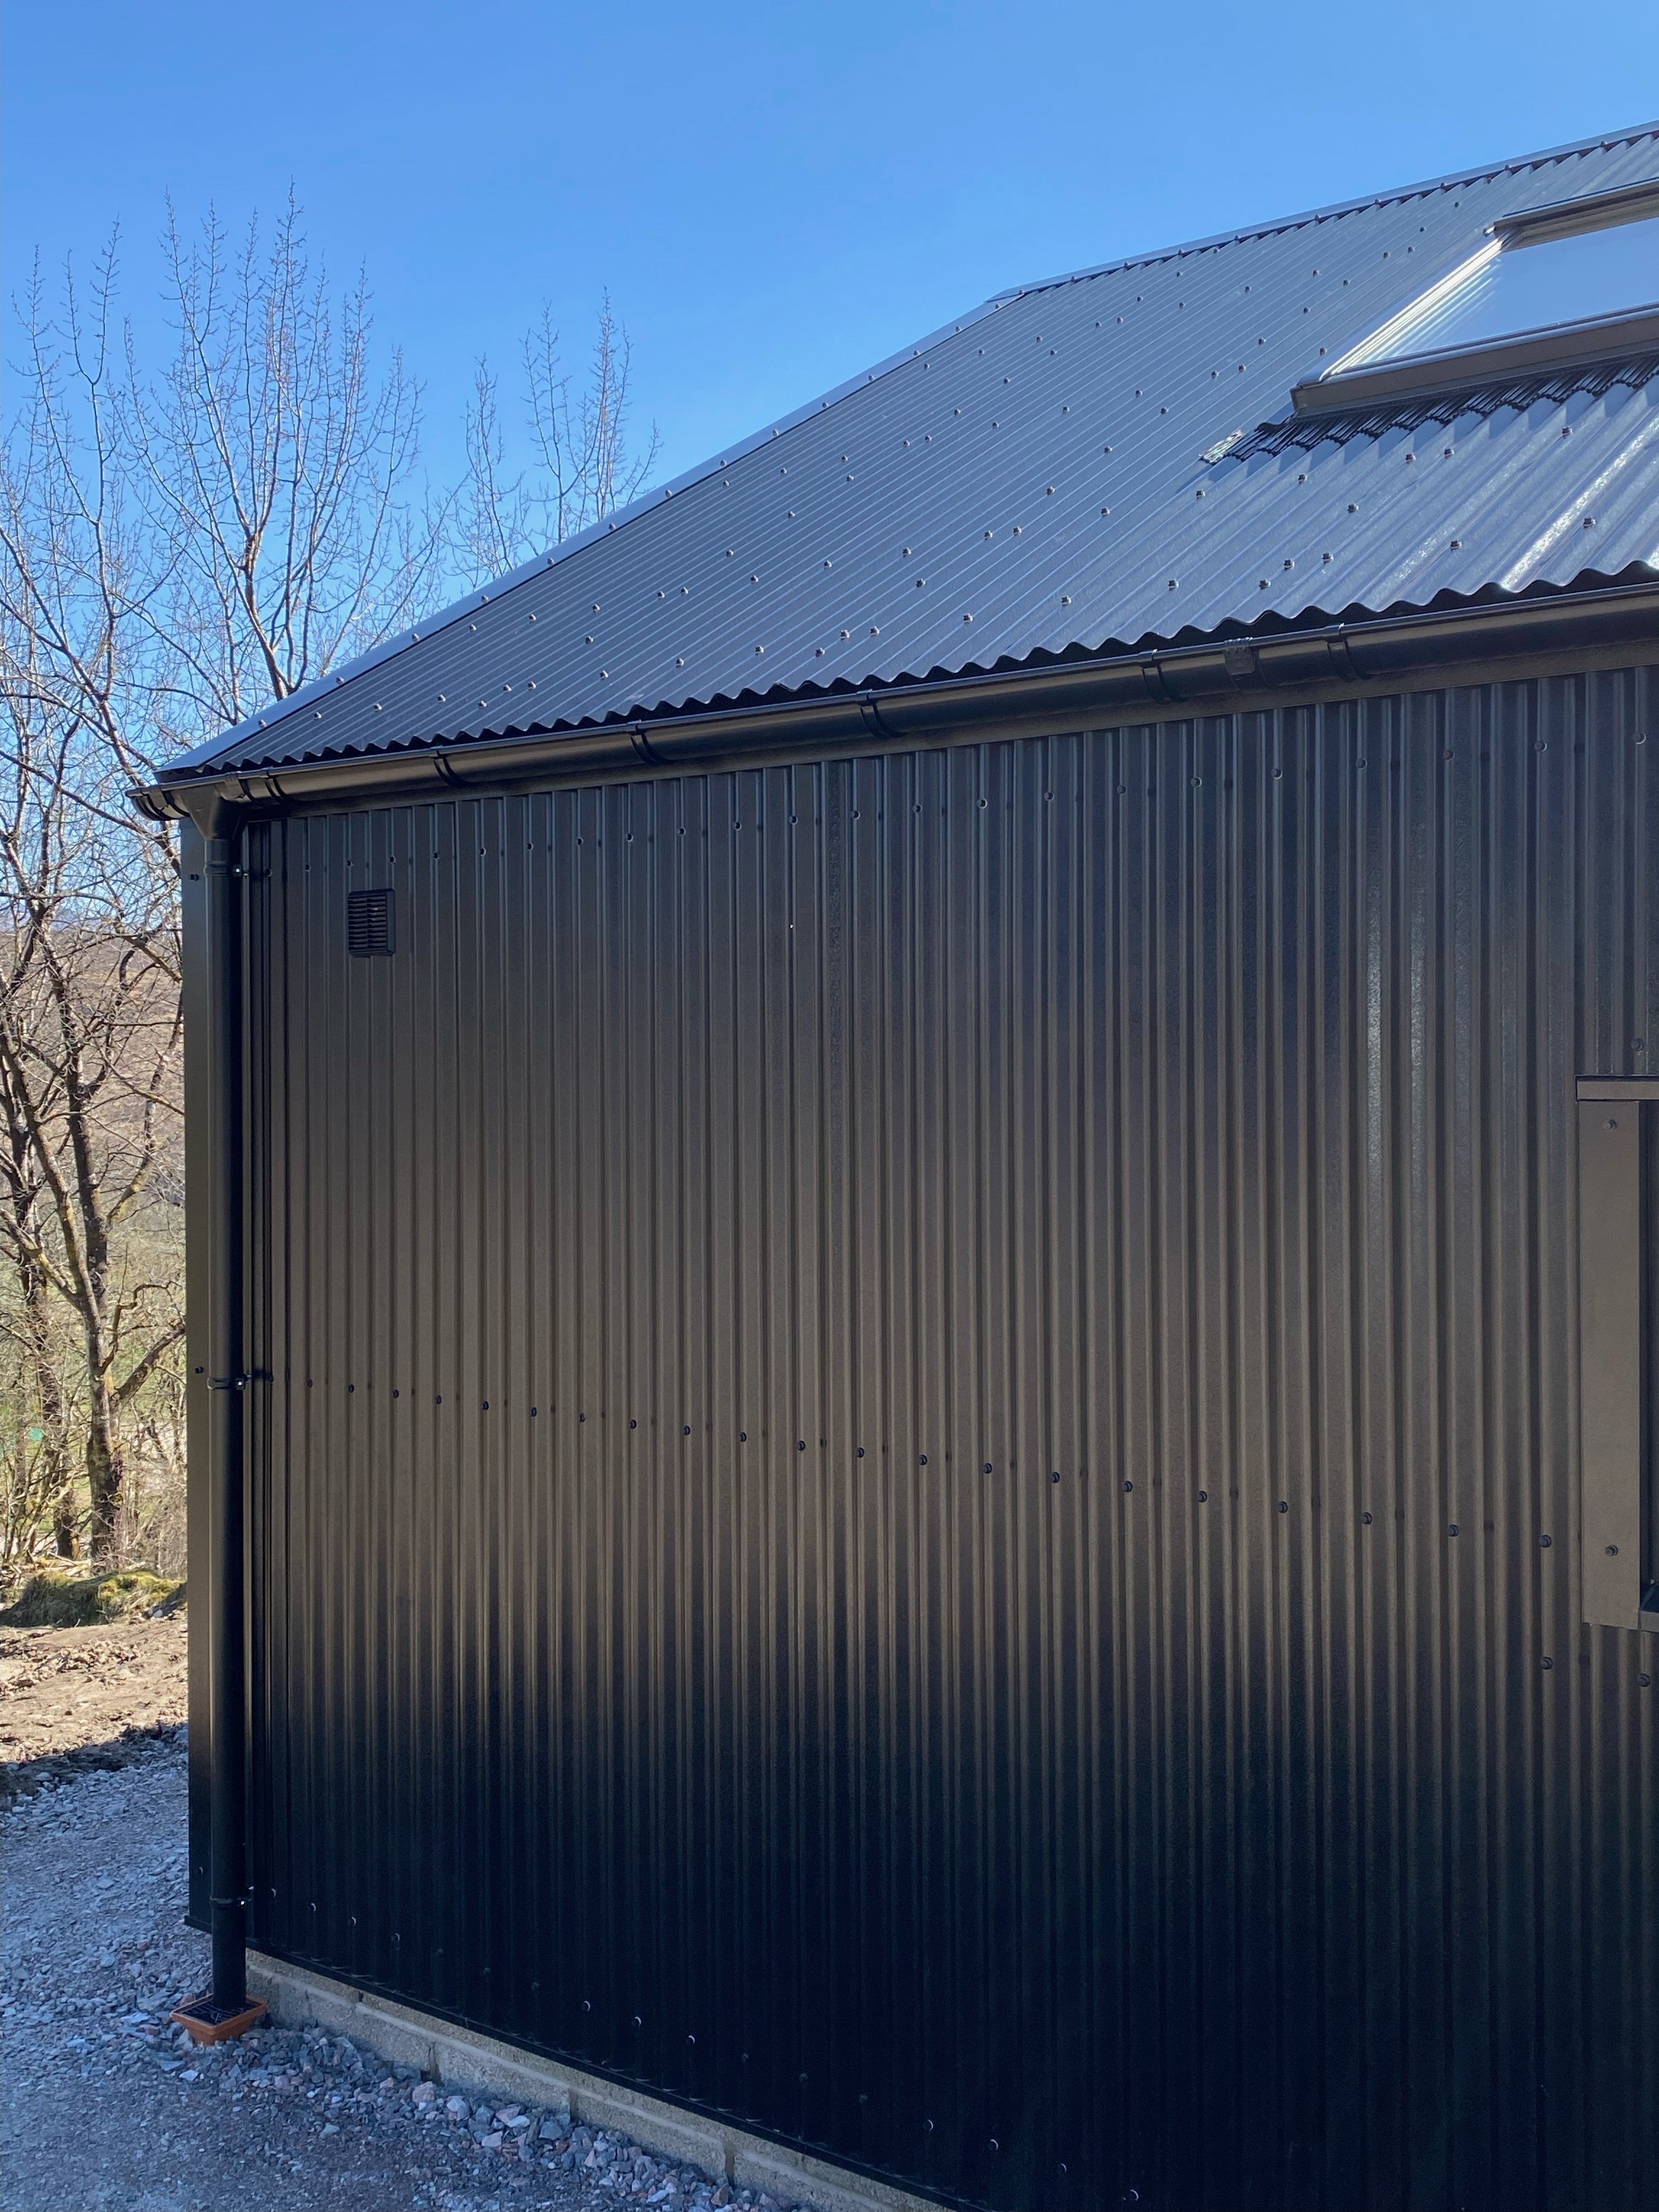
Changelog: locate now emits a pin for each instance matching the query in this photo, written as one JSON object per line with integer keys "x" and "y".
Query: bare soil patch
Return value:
{"x": 78, "y": 1700}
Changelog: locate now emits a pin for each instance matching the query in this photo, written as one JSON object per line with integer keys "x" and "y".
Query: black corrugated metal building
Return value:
{"x": 928, "y": 1186}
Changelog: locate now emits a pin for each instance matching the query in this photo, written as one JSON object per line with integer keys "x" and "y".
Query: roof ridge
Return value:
{"x": 1479, "y": 172}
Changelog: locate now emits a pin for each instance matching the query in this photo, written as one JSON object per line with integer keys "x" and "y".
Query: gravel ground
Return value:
{"x": 107, "y": 2107}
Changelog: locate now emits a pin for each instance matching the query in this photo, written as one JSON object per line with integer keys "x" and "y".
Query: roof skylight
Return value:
{"x": 1526, "y": 287}
{"x": 1576, "y": 281}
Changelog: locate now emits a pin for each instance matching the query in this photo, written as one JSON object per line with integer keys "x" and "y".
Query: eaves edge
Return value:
{"x": 1213, "y": 676}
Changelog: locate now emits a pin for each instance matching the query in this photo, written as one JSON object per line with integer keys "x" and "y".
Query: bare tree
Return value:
{"x": 275, "y": 472}
{"x": 178, "y": 549}
{"x": 91, "y": 935}
{"x": 88, "y": 1047}
{"x": 581, "y": 466}
{"x": 175, "y": 551}
{"x": 35, "y": 1448}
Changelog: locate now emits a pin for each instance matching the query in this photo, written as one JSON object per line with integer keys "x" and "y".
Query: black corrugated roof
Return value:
{"x": 1043, "y": 479}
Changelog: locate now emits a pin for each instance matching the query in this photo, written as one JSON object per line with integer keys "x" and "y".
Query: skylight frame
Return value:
{"x": 1359, "y": 379}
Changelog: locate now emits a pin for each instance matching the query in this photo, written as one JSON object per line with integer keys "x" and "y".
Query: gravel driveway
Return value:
{"x": 105, "y": 2107}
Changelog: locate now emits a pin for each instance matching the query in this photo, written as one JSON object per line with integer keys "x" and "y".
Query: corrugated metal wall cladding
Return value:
{"x": 875, "y": 1364}
{"x": 1039, "y": 470}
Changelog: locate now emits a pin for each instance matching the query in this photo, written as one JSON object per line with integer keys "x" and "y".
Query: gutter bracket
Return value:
{"x": 870, "y": 715}
{"x": 642, "y": 746}
{"x": 1157, "y": 685}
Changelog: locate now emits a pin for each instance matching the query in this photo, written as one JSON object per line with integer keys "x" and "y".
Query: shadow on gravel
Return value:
{"x": 21, "y": 1777}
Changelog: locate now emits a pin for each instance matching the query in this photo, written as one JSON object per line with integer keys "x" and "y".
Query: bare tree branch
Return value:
{"x": 581, "y": 467}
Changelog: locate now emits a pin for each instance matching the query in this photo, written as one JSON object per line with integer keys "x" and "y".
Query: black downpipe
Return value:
{"x": 227, "y": 1411}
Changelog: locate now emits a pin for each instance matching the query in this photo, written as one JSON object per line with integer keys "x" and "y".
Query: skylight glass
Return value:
{"x": 1521, "y": 286}
{"x": 1575, "y": 282}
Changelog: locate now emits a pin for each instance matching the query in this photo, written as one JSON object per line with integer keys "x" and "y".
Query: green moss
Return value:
{"x": 55, "y": 1601}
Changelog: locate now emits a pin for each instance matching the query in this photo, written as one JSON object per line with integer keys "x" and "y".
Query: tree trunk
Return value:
{"x": 104, "y": 1469}
{"x": 64, "y": 1534}
{"x": 53, "y": 1415}
{"x": 48, "y": 1384}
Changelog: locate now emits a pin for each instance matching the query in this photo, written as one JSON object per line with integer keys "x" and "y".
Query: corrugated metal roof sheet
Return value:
{"x": 1032, "y": 483}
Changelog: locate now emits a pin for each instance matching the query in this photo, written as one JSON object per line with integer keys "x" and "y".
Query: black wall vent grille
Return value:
{"x": 368, "y": 923}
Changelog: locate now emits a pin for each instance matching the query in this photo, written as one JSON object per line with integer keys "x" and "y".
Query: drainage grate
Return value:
{"x": 369, "y": 922}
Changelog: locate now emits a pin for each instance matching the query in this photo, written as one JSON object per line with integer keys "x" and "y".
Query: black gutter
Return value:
{"x": 1213, "y": 677}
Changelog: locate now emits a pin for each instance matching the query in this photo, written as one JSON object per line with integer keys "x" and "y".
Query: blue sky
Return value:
{"x": 776, "y": 196}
